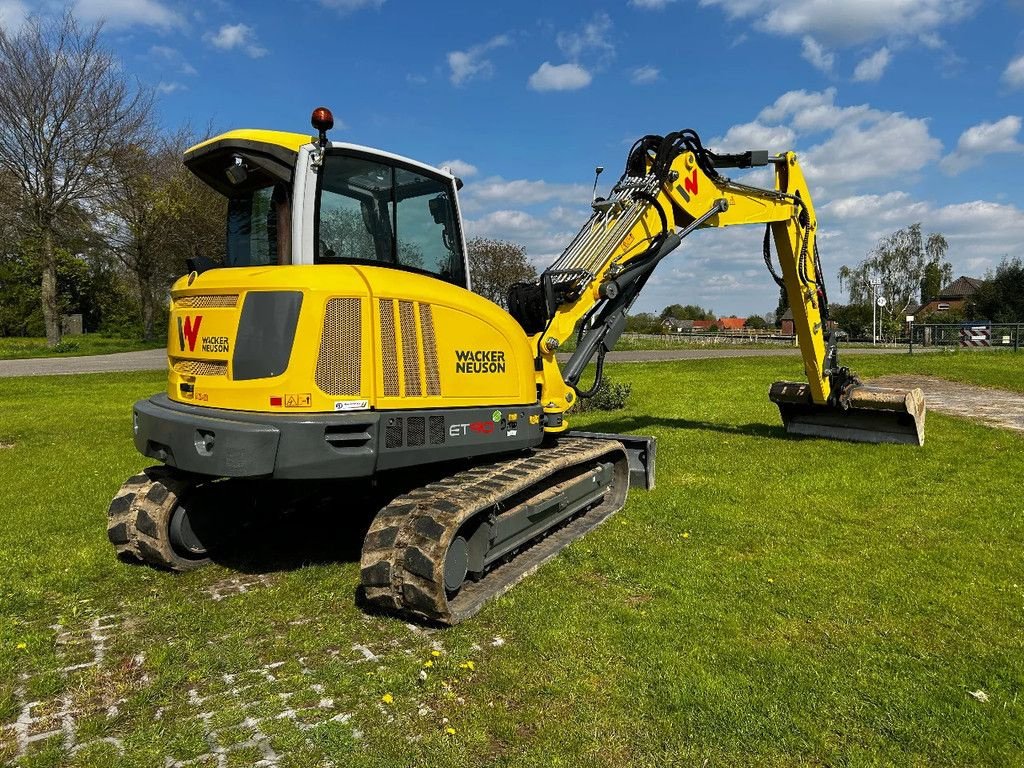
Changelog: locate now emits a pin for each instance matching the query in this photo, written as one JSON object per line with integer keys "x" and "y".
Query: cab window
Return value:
{"x": 387, "y": 215}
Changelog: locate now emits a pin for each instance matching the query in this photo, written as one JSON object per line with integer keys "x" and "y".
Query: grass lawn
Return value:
{"x": 1002, "y": 368}
{"x": 775, "y": 601}
{"x": 17, "y": 347}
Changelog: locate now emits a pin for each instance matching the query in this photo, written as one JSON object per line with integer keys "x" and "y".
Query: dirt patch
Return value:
{"x": 996, "y": 407}
{"x": 4, "y": 444}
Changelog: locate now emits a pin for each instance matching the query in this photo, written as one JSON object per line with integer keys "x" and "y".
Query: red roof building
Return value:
{"x": 731, "y": 323}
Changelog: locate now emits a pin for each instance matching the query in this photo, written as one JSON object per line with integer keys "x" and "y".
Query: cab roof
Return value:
{"x": 275, "y": 153}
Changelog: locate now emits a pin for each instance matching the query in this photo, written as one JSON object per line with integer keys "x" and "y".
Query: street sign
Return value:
{"x": 910, "y": 318}
{"x": 881, "y": 301}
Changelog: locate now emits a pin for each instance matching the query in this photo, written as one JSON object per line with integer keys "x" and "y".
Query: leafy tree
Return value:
{"x": 66, "y": 111}
{"x": 783, "y": 305}
{"x": 142, "y": 213}
{"x": 756, "y": 322}
{"x": 495, "y": 265}
{"x": 936, "y": 275}
{"x": 644, "y": 322}
{"x": 854, "y": 319}
{"x": 688, "y": 312}
{"x": 897, "y": 264}
{"x": 1001, "y": 297}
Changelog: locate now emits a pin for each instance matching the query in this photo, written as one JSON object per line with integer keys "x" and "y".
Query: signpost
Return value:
{"x": 910, "y": 328}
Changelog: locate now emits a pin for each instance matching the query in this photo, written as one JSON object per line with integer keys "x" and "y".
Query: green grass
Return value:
{"x": 18, "y": 347}
{"x": 775, "y": 601}
{"x": 1000, "y": 368}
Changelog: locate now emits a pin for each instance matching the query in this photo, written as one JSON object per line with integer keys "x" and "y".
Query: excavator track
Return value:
{"x": 553, "y": 495}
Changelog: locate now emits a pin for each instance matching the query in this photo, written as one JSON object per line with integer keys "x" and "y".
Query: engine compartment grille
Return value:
{"x": 339, "y": 364}
{"x": 408, "y": 349}
{"x": 200, "y": 367}
{"x": 209, "y": 301}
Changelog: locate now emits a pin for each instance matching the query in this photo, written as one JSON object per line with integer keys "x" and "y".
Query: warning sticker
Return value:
{"x": 301, "y": 400}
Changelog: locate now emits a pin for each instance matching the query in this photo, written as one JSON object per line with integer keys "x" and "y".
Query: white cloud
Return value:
{"x": 849, "y": 22}
{"x": 12, "y": 15}
{"x": 1013, "y": 75}
{"x": 816, "y": 54}
{"x": 655, "y": 5}
{"x": 237, "y": 36}
{"x": 872, "y": 68}
{"x": 348, "y": 6}
{"x": 982, "y": 140}
{"x": 644, "y": 75}
{"x": 755, "y": 135}
{"x": 544, "y": 237}
{"x": 876, "y": 145}
{"x": 172, "y": 57}
{"x": 166, "y": 88}
{"x": 796, "y": 102}
{"x": 459, "y": 168}
{"x": 469, "y": 64}
{"x": 523, "y": 192}
{"x": 810, "y": 112}
{"x": 890, "y": 207}
{"x": 117, "y": 14}
{"x": 590, "y": 42}
{"x": 561, "y": 77}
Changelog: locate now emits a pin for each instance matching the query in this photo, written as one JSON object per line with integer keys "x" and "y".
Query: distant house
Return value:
{"x": 731, "y": 323}
{"x": 702, "y": 325}
{"x": 787, "y": 328}
{"x": 672, "y": 325}
{"x": 953, "y": 297}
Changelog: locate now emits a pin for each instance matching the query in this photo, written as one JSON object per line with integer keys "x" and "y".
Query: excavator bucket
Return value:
{"x": 874, "y": 415}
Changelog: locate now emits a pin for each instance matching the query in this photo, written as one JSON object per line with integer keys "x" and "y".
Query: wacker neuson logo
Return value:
{"x": 479, "y": 361}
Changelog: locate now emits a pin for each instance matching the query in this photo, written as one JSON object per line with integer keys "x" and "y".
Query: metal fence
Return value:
{"x": 975, "y": 334}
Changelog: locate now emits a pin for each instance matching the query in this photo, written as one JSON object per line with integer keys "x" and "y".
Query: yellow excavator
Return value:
{"x": 341, "y": 339}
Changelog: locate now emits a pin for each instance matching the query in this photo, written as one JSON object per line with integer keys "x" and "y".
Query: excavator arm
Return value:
{"x": 671, "y": 187}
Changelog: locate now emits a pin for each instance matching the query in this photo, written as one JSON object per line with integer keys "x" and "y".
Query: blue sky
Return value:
{"x": 901, "y": 110}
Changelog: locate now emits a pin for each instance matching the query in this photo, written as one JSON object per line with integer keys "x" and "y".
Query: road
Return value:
{"x": 156, "y": 359}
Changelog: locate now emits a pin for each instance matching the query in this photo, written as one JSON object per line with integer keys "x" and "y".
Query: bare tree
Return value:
{"x": 66, "y": 111}
{"x": 137, "y": 220}
{"x": 494, "y": 265}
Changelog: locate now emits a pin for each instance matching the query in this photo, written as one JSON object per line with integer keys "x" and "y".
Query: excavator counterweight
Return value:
{"x": 340, "y": 340}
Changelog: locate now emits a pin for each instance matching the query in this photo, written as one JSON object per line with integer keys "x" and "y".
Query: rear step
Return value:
{"x": 874, "y": 415}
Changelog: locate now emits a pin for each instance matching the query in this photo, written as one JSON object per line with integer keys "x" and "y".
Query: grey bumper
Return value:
{"x": 223, "y": 443}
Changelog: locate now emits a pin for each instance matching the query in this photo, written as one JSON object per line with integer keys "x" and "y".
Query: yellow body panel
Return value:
{"x": 420, "y": 343}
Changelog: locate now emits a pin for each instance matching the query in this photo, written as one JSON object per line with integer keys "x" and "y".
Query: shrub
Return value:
{"x": 66, "y": 345}
{"x": 610, "y": 396}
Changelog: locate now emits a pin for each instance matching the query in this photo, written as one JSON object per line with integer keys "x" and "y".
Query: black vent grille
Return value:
{"x": 437, "y": 430}
{"x": 417, "y": 430}
{"x": 393, "y": 433}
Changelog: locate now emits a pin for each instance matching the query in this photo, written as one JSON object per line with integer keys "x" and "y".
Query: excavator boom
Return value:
{"x": 670, "y": 188}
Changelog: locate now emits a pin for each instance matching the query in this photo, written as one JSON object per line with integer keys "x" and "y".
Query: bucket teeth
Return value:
{"x": 874, "y": 415}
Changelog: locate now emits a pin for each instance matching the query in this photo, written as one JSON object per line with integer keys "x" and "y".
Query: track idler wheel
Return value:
{"x": 148, "y": 521}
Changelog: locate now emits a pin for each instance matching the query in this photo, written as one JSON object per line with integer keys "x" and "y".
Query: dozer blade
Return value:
{"x": 875, "y": 414}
